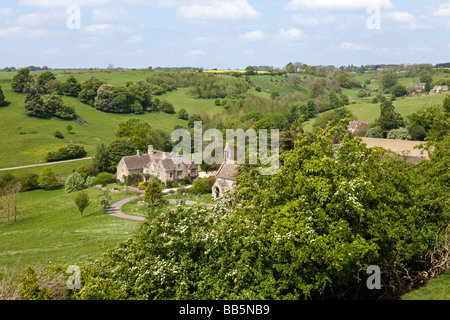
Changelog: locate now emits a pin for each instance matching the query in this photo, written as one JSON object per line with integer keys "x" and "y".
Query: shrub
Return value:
{"x": 375, "y": 132}
{"x": 30, "y": 288}
{"x": 203, "y": 185}
{"x": 58, "y": 134}
{"x": 104, "y": 178}
{"x": 71, "y": 151}
{"x": 75, "y": 182}
{"x": 47, "y": 178}
{"x": 399, "y": 134}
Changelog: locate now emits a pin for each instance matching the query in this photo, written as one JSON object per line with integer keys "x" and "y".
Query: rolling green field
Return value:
{"x": 50, "y": 230}
{"x": 371, "y": 111}
{"x": 26, "y": 140}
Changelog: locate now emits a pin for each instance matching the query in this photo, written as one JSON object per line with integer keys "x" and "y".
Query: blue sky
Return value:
{"x": 222, "y": 34}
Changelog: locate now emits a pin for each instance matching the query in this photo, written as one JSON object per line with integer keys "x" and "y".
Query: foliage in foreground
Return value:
{"x": 309, "y": 231}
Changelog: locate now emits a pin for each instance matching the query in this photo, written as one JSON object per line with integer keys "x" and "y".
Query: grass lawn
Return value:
{"x": 132, "y": 208}
{"x": 50, "y": 230}
{"x": 435, "y": 289}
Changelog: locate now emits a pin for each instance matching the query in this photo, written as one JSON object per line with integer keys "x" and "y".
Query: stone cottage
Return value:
{"x": 358, "y": 128}
{"x": 225, "y": 174}
{"x": 165, "y": 166}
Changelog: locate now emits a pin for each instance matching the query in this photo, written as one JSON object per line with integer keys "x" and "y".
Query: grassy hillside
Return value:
{"x": 26, "y": 140}
{"x": 50, "y": 229}
{"x": 370, "y": 111}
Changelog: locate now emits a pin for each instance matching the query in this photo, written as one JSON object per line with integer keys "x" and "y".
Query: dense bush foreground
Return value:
{"x": 308, "y": 232}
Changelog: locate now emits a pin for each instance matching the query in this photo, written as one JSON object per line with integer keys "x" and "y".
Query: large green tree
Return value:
{"x": 34, "y": 104}
{"x": 47, "y": 178}
{"x": 389, "y": 119}
{"x": 19, "y": 81}
{"x": 2, "y": 97}
{"x": 118, "y": 148}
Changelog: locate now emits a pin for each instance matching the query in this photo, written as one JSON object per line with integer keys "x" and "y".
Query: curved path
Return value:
{"x": 115, "y": 210}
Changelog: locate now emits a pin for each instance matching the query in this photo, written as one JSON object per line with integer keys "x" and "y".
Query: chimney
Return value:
{"x": 138, "y": 153}
{"x": 150, "y": 150}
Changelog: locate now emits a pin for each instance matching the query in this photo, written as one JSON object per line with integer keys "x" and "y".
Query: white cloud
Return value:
{"x": 202, "y": 40}
{"x": 195, "y": 53}
{"x": 135, "y": 39}
{"x": 249, "y": 51}
{"x": 108, "y": 15}
{"x": 420, "y": 48}
{"x": 400, "y": 16}
{"x": 86, "y": 45}
{"x": 17, "y": 32}
{"x": 137, "y": 52}
{"x": 222, "y": 10}
{"x": 62, "y": 3}
{"x": 51, "y": 52}
{"x": 106, "y": 29}
{"x": 337, "y": 4}
{"x": 291, "y": 34}
{"x": 255, "y": 35}
{"x": 6, "y": 11}
{"x": 443, "y": 10}
{"x": 311, "y": 21}
{"x": 351, "y": 46}
{"x": 407, "y": 20}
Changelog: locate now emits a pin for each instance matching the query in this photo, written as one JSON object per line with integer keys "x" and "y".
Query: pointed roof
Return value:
{"x": 136, "y": 162}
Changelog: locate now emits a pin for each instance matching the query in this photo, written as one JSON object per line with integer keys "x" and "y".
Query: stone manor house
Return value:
{"x": 159, "y": 164}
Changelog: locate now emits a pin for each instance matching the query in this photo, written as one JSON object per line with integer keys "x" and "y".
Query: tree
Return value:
{"x": 71, "y": 87}
{"x": 101, "y": 160}
{"x": 446, "y": 104}
{"x": 334, "y": 100}
{"x": 399, "y": 90}
{"x": 44, "y": 78}
{"x": 387, "y": 80}
{"x": 34, "y": 104}
{"x": 104, "y": 98}
{"x": 389, "y": 119}
{"x": 153, "y": 193}
{"x": 82, "y": 201}
{"x": 118, "y": 148}
{"x": 19, "y": 81}
{"x": 182, "y": 114}
{"x": 138, "y": 131}
{"x": 343, "y": 78}
{"x": 53, "y": 86}
{"x": 192, "y": 119}
{"x": 104, "y": 199}
{"x": 74, "y": 183}
{"x": 9, "y": 197}
{"x": 2, "y": 97}
{"x": 47, "y": 178}
{"x": 69, "y": 129}
{"x": 88, "y": 91}
{"x": 167, "y": 107}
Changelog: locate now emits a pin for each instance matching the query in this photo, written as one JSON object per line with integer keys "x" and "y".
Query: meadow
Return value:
{"x": 50, "y": 230}
{"x": 26, "y": 140}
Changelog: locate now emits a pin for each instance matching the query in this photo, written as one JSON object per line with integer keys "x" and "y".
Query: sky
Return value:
{"x": 228, "y": 34}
